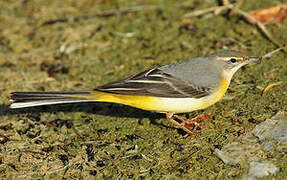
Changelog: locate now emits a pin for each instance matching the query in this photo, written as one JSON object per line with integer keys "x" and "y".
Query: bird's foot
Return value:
{"x": 191, "y": 126}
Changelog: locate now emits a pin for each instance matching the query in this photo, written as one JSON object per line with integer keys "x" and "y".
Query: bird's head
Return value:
{"x": 229, "y": 61}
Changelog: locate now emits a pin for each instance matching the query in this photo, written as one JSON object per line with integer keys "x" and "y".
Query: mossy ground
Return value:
{"x": 110, "y": 141}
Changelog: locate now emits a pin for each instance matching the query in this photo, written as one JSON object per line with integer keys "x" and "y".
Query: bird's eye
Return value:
{"x": 233, "y": 60}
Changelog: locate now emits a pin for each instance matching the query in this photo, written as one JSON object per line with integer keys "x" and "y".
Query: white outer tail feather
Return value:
{"x": 31, "y": 99}
{"x": 42, "y": 103}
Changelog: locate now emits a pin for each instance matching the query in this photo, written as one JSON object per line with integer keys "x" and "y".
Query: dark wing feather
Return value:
{"x": 154, "y": 82}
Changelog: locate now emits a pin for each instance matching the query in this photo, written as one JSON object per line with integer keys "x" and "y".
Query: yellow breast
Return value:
{"x": 217, "y": 94}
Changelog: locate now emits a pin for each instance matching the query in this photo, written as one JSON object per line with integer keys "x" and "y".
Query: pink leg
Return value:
{"x": 169, "y": 117}
{"x": 190, "y": 126}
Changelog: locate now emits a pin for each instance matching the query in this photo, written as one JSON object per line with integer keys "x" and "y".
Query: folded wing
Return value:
{"x": 155, "y": 82}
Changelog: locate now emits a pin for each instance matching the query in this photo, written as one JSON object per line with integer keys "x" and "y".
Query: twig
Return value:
{"x": 261, "y": 27}
{"x": 225, "y": 2}
{"x": 107, "y": 13}
{"x": 236, "y": 8}
{"x": 216, "y": 10}
{"x": 268, "y": 55}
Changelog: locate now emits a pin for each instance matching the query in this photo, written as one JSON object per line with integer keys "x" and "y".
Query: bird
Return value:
{"x": 181, "y": 87}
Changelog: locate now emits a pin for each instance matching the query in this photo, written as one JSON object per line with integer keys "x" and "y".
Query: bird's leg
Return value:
{"x": 193, "y": 123}
{"x": 188, "y": 123}
{"x": 169, "y": 117}
{"x": 200, "y": 118}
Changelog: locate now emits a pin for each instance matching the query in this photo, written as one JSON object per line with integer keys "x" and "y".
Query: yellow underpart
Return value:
{"x": 216, "y": 95}
{"x": 141, "y": 102}
{"x": 160, "y": 104}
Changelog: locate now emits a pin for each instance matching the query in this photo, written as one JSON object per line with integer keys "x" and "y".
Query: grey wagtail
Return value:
{"x": 180, "y": 87}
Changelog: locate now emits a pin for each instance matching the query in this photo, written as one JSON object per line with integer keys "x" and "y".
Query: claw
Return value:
{"x": 190, "y": 126}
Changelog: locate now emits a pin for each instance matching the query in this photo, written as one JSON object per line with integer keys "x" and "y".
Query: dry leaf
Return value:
{"x": 270, "y": 15}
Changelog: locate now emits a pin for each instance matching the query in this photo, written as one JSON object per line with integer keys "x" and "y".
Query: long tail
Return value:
{"x": 30, "y": 99}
